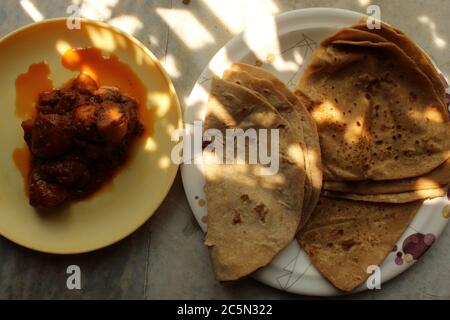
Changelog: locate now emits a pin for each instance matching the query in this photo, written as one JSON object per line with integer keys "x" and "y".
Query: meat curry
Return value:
{"x": 81, "y": 134}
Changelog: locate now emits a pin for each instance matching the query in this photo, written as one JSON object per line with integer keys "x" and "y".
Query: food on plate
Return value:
{"x": 251, "y": 217}
{"x": 265, "y": 90}
{"x": 368, "y": 116}
{"x": 400, "y": 39}
{"x": 313, "y": 161}
{"x": 344, "y": 237}
{"x": 401, "y": 197}
{"x": 82, "y": 133}
{"x": 383, "y": 123}
{"x": 435, "y": 179}
{"x": 378, "y": 114}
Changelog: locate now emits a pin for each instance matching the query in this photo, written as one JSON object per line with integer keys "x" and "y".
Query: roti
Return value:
{"x": 402, "y": 197}
{"x": 251, "y": 217}
{"x": 344, "y": 237}
{"x": 377, "y": 113}
{"x": 266, "y": 90}
{"x": 400, "y": 39}
{"x": 397, "y": 51}
{"x": 437, "y": 178}
{"x": 313, "y": 153}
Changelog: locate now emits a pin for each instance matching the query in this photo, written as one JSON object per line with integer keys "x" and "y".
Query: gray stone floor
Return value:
{"x": 166, "y": 258}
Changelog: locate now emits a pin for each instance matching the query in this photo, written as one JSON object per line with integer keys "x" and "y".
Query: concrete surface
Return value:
{"x": 166, "y": 257}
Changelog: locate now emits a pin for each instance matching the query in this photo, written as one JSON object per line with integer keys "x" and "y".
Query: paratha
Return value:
{"x": 266, "y": 90}
{"x": 422, "y": 60}
{"x": 402, "y": 197}
{"x": 377, "y": 113}
{"x": 343, "y": 237}
{"x": 437, "y": 178}
{"x": 301, "y": 103}
{"x": 251, "y": 217}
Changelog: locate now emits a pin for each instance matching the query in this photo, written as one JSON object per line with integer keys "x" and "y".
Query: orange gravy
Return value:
{"x": 28, "y": 87}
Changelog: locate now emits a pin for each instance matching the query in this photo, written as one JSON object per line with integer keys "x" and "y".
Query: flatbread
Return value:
{"x": 400, "y": 39}
{"x": 343, "y": 237}
{"x": 401, "y": 56}
{"x": 377, "y": 113}
{"x": 251, "y": 217}
{"x": 266, "y": 90}
{"x": 355, "y": 35}
{"x": 435, "y": 179}
{"x": 301, "y": 102}
{"x": 403, "y": 197}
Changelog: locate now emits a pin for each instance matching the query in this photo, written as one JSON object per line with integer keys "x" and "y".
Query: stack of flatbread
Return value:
{"x": 381, "y": 113}
{"x": 251, "y": 216}
{"x": 379, "y": 105}
{"x": 368, "y": 115}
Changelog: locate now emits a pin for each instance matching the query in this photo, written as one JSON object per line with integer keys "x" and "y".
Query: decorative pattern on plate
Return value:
{"x": 414, "y": 247}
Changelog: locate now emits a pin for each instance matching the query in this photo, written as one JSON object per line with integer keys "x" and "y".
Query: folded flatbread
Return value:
{"x": 437, "y": 178}
{"x": 378, "y": 114}
{"x": 265, "y": 90}
{"x": 402, "y": 197}
{"x": 422, "y": 60}
{"x": 313, "y": 154}
{"x": 251, "y": 217}
{"x": 344, "y": 237}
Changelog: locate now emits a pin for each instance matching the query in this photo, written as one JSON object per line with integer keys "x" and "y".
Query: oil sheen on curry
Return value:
{"x": 80, "y": 134}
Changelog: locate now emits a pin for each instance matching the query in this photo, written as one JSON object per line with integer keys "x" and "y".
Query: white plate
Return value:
{"x": 285, "y": 49}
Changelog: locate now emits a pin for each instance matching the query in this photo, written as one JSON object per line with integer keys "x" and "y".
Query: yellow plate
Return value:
{"x": 137, "y": 190}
